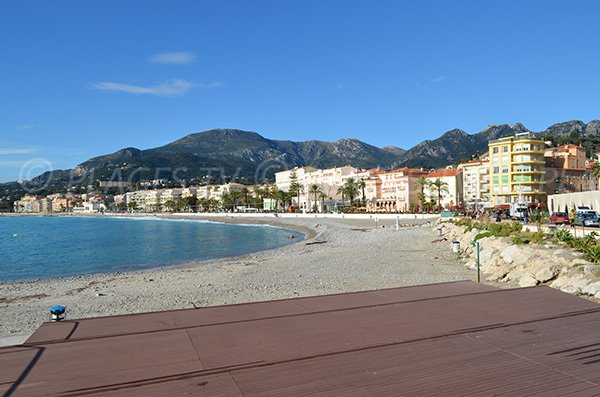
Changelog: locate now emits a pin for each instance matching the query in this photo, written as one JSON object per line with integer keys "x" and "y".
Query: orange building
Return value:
{"x": 566, "y": 169}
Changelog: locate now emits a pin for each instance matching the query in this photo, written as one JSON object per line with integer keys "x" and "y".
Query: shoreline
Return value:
{"x": 352, "y": 255}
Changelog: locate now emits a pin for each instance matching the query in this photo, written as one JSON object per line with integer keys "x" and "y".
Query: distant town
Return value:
{"x": 521, "y": 168}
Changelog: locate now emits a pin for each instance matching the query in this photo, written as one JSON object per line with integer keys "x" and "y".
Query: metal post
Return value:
{"x": 476, "y": 244}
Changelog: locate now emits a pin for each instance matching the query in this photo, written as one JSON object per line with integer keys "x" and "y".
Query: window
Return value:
{"x": 495, "y": 160}
{"x": 504, "y": 160}
{"x": 504, "y": 149}
{"x": 505, "y": 189}
{"x": 496, "y": 170}
{"x": 495, "y": 150}
{"x": 496, "y": 190}
{"x": 505, "y": 170}
{"x": 496, "y": 180}
{"x": 504, "y": 179}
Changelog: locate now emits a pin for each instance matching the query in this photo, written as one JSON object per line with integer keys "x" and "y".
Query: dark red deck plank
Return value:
{"x": 406, "y": 341}
{"x": 99, "y": 362}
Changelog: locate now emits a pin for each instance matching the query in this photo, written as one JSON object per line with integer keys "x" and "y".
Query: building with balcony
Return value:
{"x": 566, "y": 170}
{"x": 452, "y": 195}
{"x": 396, "y": 190}
{"x": 476, "y": 184}
{"x": 517, "y": 170}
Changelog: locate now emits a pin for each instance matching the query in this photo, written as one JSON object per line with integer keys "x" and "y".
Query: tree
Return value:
{"x": 169, "y": 205}
{"x": 315, "y": 190}
{"x": 421, "y": 184}
{"x": 295, "y": 187}
{"x": 246, "y": 193}
{"x": 438, "y": 186}
{"x": 596, "y": 170}
{"x": 349, "y": 189}
{"x": 191, "y": 202}
{"x": 132, "y": 206}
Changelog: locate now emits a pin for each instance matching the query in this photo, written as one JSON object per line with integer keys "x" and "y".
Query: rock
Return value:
{"x": 515, "y": 254}
{"x": 592, "y": 289}
{"x": 528, "y": 281}
{"x": 546, "y": 273}
{"x": 579, "y": 262}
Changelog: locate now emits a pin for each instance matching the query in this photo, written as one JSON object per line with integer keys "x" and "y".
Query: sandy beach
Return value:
{"x": 338, "y": 255}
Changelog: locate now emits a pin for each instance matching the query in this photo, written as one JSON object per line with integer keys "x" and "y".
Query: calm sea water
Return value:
{"x": 41, "y": 247}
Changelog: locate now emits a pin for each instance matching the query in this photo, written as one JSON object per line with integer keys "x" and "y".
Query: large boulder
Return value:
{"x": 528, "y": 280}
{"x": 514, "y": 254}
{"x": 592, "y": 289}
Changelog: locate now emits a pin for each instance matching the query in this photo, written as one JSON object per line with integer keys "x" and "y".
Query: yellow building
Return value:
{"x": 517, "y": 167}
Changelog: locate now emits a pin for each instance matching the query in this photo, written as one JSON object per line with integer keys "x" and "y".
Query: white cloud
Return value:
{"x": 28, "y": 126}
{"x": 170, "y": 88}
{"x": 173, "y": 58}
{"x": 438, "y": 79}
{"x": 12, "y": 152}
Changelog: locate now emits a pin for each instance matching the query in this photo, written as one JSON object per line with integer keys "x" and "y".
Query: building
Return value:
{"x": 396, "y": 191}
{"x": 517, "y": 170}
{"x": 452, "y": 195}
{"x": 476, "y": 184}
{"x": 283, "y": 179}
{"x": 566, "y": 169}
{"x": 329, "y": 181}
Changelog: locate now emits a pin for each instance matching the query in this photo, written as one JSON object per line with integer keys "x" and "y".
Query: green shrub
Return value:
{"x": 592, "y": 253}
{"x": 564, "y": 235}
{"x": 482, "y": 235}
{"x": 528, "y": 237}
{"x": 516, "y": 226}
{"x": 464, "y": 222}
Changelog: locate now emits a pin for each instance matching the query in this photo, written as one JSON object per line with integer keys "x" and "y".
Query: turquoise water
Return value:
{"x": 41, "y": 247}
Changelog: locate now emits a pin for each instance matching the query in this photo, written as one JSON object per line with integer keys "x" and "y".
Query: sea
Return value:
{"x": 37, "y": 247}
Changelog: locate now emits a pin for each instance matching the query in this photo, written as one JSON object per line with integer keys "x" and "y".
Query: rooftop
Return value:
{"x": 451, "y": 339}
{"x": 442, "y": 173}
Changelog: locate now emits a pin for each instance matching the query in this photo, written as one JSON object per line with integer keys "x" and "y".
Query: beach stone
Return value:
{"x": 528, "y": 281}
{"x": 579, "y": 261}
{"x": 592, "y": 289}
{"x": 546, "y": 273}
{"x": 570, "y": 283}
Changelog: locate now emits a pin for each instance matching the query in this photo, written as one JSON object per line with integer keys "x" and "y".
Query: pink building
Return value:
{"x": 393, "y": 191}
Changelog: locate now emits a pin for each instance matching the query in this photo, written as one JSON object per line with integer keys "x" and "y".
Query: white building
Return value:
{"x": 476, "y": 184}
{"x": 453, "y": 197}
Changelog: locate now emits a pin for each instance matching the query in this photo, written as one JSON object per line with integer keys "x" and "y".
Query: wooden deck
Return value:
{"x": 451, "y": 339}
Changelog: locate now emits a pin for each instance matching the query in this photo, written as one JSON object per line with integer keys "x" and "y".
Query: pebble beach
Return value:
{"x": 337, "y": 255}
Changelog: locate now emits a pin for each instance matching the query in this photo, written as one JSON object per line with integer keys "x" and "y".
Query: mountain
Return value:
{"x": 454, "y": 146}
{"x": 229, "y": 154}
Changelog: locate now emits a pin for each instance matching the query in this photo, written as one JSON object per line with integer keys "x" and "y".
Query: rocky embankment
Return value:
{"x": 527, "y": 265}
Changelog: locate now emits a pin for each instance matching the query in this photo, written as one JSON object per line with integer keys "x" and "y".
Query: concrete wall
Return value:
{"x": 566, "y": 201}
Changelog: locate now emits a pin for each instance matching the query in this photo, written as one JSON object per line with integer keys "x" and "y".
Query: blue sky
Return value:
{"x": 81, "y": 79}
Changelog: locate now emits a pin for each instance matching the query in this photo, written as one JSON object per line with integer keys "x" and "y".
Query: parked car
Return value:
{"x": 587, "y": 219}
{"x": 559, "y": 218}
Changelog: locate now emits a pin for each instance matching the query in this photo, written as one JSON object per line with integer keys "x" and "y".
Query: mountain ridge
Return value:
{"x": 247, "y": 156}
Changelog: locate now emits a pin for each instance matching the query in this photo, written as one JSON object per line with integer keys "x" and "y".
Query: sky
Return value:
{"x": 81, "y": 79}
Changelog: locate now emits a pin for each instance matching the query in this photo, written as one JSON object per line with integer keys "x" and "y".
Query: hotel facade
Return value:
{"x": 517, "y": 170}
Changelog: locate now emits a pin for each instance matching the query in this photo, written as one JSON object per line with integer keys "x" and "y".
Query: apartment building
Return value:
{"x": 396, "y": 192}
{"x": 476, "y": 184}
{"x": 517, "y": 169}
{"x": 566, "y": 170}
{"x": 452, "y": 195}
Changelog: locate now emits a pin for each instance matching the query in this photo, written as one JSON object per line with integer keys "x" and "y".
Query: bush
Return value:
{"x": 528, "y": 237}
{"x": 564, "y": 236}
{"x": 592, "y": 253}
{"x": 464, "y": 222}
{"x": 482, "y": 235}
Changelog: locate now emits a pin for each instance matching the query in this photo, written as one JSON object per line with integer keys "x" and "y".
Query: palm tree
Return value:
{"x": 439, "y": 187}
{"x": 421, "y": 184}
{"x": 596, "y": 170}
{"x": 349, "y": 189}
{"x": 361, "y": 185}
{"x": 316, "y": 190}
